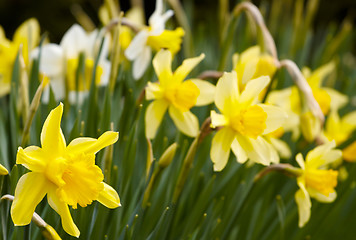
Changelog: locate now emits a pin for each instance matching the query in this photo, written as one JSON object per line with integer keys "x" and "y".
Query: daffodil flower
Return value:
{"x": 153, "y": 37}
{"x": 316, "y": 180}
{"x": 243, "y": 122}
{"x": 176, "y": 95}
{"x": 60, "y": 63}
{"x": 339, "y": 129}
{"x": 67, "y": 174}
{"x": 251, "y": 64}
{"x": 300, "y": 119}
{"x": 27, "y": 35}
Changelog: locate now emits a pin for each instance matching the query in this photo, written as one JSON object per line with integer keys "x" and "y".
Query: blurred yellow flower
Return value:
{"x": 176, "y": 95}
{"x": 67, "y": 174}
{"x": 316, "y": 180}
{"x": 243, "y": 122}
{"x": 339, "y": 129}
{"x": 302, "y": 119}
{"x": 27, "y": 35}
{"x": 153, "y": 37}
{"x": 251, "y": 64}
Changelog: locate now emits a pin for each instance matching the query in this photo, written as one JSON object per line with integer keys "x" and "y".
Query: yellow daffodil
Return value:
{"x": 339, "y": 129}
{"x": 60, "y": 64}
{"x": 153, "y": 37}
{"x": 27, "y": 35}
{"x": 251, "y": 64}
{"x": 176, "y": 95}
{"x": 303, "y": 119}
{"x": 243, "y": 122}
{"x": 67, "y": 174}
{"x": 316, "y": 180}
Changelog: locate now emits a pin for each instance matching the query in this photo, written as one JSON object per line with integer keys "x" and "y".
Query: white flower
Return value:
{"x": 139, "y": 52}
{"x": 60, "y": 62}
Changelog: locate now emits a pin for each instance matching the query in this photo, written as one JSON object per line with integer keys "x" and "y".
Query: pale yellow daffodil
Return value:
{"x": 243, "y": 122}
{"x": 339, "y": 129}
{"x": 176, "y": 95}
{"x": 153, "y": 37}
{"x": 27, "y": 35}
{"x": 67, "y": 174}
{"x": 302, "y": 118}
{"x": 316, "y": 180}
{"x": 251, "y": 64}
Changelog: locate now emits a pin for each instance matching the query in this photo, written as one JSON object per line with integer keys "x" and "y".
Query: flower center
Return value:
{"x": 184, "y": 96}
{"x": 78, "y": 179}
{"x": 84, "y": 76}
{"x": 250, "y": 122}
{"x": 324, "y": 181}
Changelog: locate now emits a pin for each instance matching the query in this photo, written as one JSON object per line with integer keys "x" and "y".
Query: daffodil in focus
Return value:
{"x": 60, "y": 64}
{"x": 27, "y": 35}
{"x": 316, "y": 180}
{"x": 251, "y": 64}
{"x": 243, "y": 122}
{"x": 67, "y": 174}
{"x": 174, "y": 94}
{"x": 153, "y": 37}
{"x": 302, "y": 119}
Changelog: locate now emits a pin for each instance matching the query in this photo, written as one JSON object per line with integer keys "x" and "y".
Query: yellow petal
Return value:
{"x": 187, "y": 66}
{"x": 239, "y": 152}
{"x": 281, "y": 147}
{"x": 109, "y": 197}
{"x": 258, "y": 150}
{"x": 30, "y": 190}
{"x": 32, "y": 158}
{"x": 62, "y": 209}
{"x": 337, "y": 99}
{"x": 217, "y": 120}
{"x": 27, "y": 34}
{"x": 207, "y": 92}
{"x": 153, "y": 117}
{"x": 3, "y": 170}
{"x": 321, "y": 197}
{"x": 249, "y": 68}
{"x": 91, "y": 145}
{"x": 153, "y": 91}
{"x": 220, "y": 148}
{"x": 52, "y": 139}
{"x": 162, "y": 63}
{"x": 304, "y": 204}
{"x": 318, "y": 75}
{"x": 186, "y": 121}
{"x": 227, "y": 92}
{"x": 323, "y": 155}
{"x": 300, "y": 160}
{"x": 253, "y": 89}
{"x": 276, "y": 117}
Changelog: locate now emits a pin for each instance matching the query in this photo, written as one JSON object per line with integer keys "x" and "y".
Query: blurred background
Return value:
{"x": 56, "y": 17}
